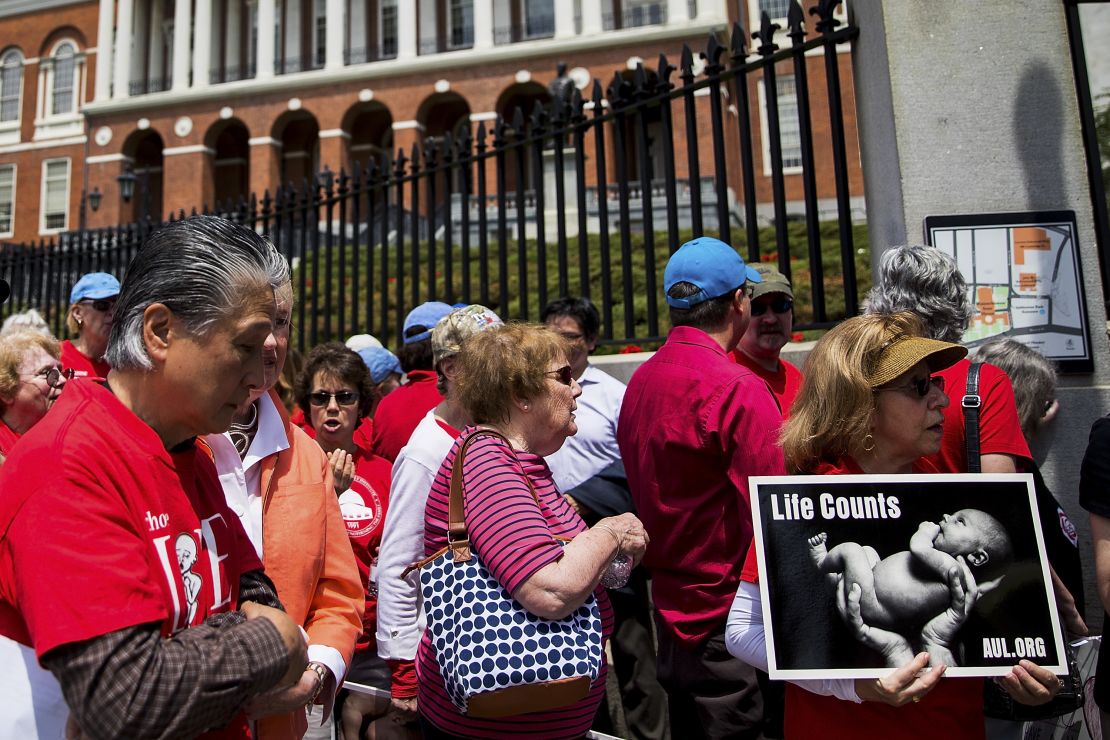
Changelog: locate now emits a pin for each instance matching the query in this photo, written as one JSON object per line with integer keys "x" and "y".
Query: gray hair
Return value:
{"x": 29, "y": 320}
{"x": 200, "y": 268}
{"x": 1033, "y": 376}
{"x": 927, "y": 282}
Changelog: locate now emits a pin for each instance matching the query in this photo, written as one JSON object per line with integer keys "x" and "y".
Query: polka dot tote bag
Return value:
{"x": 498, "y": 659}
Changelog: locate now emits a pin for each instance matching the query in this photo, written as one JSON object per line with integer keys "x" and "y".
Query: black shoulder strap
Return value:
{"x": 971, "y": 403}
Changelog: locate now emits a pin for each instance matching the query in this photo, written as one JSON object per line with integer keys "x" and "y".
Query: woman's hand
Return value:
{"x": 894, "y": 648}
{"x": 940, "y": 632}
{"x": 907, "y": 684}
{"x": 342, "y": 469}
{"x": 1030, "y": 684}
{"x": 632, "y": 539}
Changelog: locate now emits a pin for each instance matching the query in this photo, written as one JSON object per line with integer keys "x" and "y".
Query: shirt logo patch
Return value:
{"x": 361, "y": 508}
{"x": 1067, "y": 527}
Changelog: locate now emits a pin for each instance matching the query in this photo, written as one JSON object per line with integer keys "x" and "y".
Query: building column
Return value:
{"x": 564, "y": 18}
{"x": 591, "y": 18}
{"x": 182, "y": 23}
{"x": 104, "y": 50}
{"x": 406, "y": 29}
{"x": 265, "y": 167}
{"x": 483, "y": 24}
{"x": 335, "y": 150}
{"x": 336, "y": 25}
{"x": 267, "y": 19}
{"x": 202, "y": 43}
{"x": 707, "y": 10}
{"x": 124, "y": 35}
{"x": 678, "y": 11}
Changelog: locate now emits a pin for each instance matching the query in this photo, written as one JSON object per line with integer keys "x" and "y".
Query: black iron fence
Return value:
{"x": 585, "y": 195}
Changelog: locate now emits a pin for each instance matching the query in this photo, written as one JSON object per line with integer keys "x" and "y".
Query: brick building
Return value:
{"x": 190, "y": 97}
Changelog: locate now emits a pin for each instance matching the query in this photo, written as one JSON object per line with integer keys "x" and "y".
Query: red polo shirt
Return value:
{"x": 81, "y": 364}
{"x": 694, "y": 425}
{"x": 400, "y": 412}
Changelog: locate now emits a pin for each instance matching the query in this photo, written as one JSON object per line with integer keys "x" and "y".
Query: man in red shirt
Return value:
{"x": 694, "y": 425}
{"x": 768, "y": 332}
{"x": 398, "y": 413}
{"x": 122, "y": 569}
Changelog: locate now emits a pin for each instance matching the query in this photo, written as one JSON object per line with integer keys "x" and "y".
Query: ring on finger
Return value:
{"x": 916, "y": 699}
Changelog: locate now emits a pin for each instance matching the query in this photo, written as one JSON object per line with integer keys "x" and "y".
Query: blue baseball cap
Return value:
{"x": 94, "y": 286}
{"x": 710, "y": 264}
{"x": 426, "y": 315}
{"x": 381, "y": 362}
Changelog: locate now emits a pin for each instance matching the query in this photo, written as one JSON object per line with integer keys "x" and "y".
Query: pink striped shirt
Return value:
{"x": 512, "y": 535}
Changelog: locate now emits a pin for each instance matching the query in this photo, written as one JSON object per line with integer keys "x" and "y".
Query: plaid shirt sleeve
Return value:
{"x": 134, "y": 683}
{"x": 256, "y": 586}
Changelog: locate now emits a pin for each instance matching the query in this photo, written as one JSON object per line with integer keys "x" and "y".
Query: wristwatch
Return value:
{"x": 322, "y": 673}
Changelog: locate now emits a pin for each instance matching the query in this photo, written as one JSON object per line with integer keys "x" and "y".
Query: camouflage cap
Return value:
{"x": 449, "y": 334}
{"x": 773, "y": 281}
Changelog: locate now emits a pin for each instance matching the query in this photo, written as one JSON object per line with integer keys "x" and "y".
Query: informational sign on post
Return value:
{"x": 1025, "y": 278}
{"x": 859, "y": 573}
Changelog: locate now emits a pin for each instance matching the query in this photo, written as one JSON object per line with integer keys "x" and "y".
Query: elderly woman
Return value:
{"x": 280, "y": 484}
{"x": 91, "y": 306}
{"x": 515, "y": 380}
{"x": 30, "y": 381}
{"x": 871, "y": 403}
{"x": 334, "y": 391}
{"x": 141, "y": 545}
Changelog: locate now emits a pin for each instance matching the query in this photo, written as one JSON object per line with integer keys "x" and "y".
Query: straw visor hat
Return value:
{"x": 903, "y": 352}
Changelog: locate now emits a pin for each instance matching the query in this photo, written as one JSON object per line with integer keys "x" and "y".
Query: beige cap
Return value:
{"x": 773, "y": 281}
{"x": 902, "y": 352}
{"x": 454, "y": 328}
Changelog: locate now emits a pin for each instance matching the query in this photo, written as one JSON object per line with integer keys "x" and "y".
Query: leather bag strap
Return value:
{"x": 971, "y": 403}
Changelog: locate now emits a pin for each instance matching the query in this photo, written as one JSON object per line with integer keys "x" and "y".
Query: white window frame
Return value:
{"x": 43, "y": 230}
{"x": 464, "y": 44}
{"x": 75, "y": 93}
{"x": 755, "y": 19}
{"x": 765, "y": 138}
{"x": 14, "y": 124}
{"x": 14, "y": 173}
{"x": 392, "y": 4}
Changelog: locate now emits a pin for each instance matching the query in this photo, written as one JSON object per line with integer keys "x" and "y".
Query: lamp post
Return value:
{"x": 92, "y": 200}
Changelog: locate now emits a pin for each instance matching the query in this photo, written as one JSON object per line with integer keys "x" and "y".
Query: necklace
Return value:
{"x": 243, "y": 432}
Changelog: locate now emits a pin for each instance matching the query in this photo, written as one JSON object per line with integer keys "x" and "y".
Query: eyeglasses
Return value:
{"x": 343, "y": 398}
{"x": 564, "y": 375}
{"x": 53, "y": 376}
{"x": 920, "y": 386}
{"x": 779, "y": 305}
{"x": 100, "y": 305}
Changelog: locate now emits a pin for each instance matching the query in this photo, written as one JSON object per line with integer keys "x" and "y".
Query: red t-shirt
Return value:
{"x": 103, "y": 529}
{"x": 999, "y": 427}
{"x": 784, "y": 382}
{"x": 399, "y": 412}
{"x": 952, "y": 710}
{"x": 512, "y": 534}
{"x": 8, "y": 438}
{"x": 363, "y": 507}
{"x": 693, "y": 426}
{"x": 81, "y": 364}
{"x": 298, "y": 418}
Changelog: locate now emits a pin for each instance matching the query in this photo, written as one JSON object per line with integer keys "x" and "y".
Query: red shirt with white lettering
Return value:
{"x": 363, "y": 507}
{"x": 102, "y": 529}
{"x": 953, "y": 709}
{"x": 81, "y": 364}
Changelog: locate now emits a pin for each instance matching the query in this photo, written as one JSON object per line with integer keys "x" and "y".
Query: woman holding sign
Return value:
{"x": 871, "y": 403}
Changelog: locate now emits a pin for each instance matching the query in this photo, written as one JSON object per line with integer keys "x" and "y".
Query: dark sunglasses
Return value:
{"x": 53, "y": 376}
{"x": 101, "y": 305}
{"x": 323, "y": 398}
{"x": 779, "y": 305}
{"x": 919, "y": 386}
{"x": 564, "y": 375}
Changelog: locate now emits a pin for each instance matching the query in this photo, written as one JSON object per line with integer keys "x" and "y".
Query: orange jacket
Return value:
{"x": 308, "y": 556}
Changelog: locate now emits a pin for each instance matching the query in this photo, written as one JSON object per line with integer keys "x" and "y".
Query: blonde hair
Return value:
{"x": 72, "y": 326}
{"x": 831, "y": 416}
{"x": 504, "y": 363}
{"x": 13, "y": 347}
